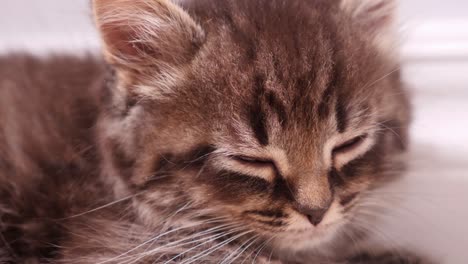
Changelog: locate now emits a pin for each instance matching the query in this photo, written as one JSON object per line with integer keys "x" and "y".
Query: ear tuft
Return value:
{"x": 376, "y": 17}
{"x": 140, "y": 33}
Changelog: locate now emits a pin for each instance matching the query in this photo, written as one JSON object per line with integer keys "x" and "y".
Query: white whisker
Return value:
{"x": 211, "y": 250}
{"x": 245, "y": 248}
{"x": 101, "y": 207}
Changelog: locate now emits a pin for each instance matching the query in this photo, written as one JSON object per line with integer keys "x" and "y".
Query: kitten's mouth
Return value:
{"x": 321, "y": 231}
{"x": 306, "y": 239}
{"x": 315, "y": 231}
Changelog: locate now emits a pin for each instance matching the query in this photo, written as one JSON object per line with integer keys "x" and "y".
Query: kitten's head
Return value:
{"x": 278, "y": 116}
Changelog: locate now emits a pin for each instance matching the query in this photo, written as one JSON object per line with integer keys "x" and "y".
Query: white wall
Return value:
{"x": 434, "y": 29}
{"x": 433, "y": 9}
{"x": 436, "y": 188}
{"x": 46, "y": 25}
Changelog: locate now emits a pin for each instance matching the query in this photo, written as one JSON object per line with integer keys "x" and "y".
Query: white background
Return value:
{"x": 433, "y": 216}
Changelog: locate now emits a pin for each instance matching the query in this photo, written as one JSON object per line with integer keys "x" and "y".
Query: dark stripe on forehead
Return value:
{"x": 278, "y": 69}
{"x": 340, "y": 115}
{"x": 333, "y": 99}
{"x": 333, "y": 75}
{"x": 256, "y": 115}
{"x": 277, "y": 106}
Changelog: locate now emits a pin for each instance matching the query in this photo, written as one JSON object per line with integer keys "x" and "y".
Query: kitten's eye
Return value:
{"x": 264, "y": 168}
{"x": 349, "y": 145}
{"x": 252, "y": 161}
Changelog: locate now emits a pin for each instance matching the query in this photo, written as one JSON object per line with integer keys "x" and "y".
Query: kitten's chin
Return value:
{"x": 315, "y": 239}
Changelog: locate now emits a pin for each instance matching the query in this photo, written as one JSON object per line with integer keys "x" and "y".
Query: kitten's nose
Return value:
{"x": 315, "y": 215}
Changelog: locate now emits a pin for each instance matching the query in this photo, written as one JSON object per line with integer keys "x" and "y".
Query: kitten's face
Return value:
{"x": 277, "y": 117}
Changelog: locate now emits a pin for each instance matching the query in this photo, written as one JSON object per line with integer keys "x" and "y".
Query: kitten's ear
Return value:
{"x": 376, "y": 17}
{"x": 140, "y": 33}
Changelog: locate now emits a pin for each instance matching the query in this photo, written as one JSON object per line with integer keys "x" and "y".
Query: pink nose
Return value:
{"x": 315, "y": 215}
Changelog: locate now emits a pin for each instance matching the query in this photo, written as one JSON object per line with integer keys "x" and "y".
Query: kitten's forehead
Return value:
{"x": 283, "y": 71}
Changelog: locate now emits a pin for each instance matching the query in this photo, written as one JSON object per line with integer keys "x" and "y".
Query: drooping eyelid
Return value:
{"x": 244, "y": 154}
{"x": 266, "y": 172}
{"x": 248, "y": 160}
{"x": 350, "y": 144}
{"x": 343, "y": 158}
{"x": 261, "y": 165}
{"x": 339, "y": 159}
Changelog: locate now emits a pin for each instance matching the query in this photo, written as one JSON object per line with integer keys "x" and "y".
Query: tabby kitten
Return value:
{"x": 223, "y": 131}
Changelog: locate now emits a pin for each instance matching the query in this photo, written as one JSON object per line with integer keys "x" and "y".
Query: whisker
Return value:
{"x": 191, "y": 240}
{"x": 101, "y": 207}
{"x": 216, "y": 247}
{"x": 146, "y": 242}
{"x": 245, "y": 249}
{"x": 271, "y": 255}
{"x": 262, "y": 246}
{"x": 236, "y": 252}
{"x": 204, "y": 243}
{"x": 382, "y": 235}
{"x": 382, "y": 78}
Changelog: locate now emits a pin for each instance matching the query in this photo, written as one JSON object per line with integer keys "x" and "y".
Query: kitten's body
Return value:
{"x": 49, "y": 167}
{"x": 50, "y": 170}
{"x": 96, "y": 167}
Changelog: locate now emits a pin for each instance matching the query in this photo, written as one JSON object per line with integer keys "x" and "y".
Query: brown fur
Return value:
{"x": 267, "y": 123}
{"x": 48, "y": 112}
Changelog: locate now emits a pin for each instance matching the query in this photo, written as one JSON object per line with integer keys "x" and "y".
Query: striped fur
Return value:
{"x": 213, "y": 131}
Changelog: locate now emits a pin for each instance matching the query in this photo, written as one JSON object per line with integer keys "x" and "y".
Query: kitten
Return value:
{"x": 223, "y": 131}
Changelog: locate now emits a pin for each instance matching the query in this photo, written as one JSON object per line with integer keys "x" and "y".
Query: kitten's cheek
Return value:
{"x": 348, "y": 199}
{"x": 334, "y": 214}
{"x": 299, "y": 222}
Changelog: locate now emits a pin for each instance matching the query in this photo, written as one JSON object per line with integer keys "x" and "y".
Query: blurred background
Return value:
{"x": 432, "y": 215}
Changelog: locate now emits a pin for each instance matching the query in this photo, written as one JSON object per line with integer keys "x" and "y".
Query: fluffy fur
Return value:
{"x": 212, "y": 131}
